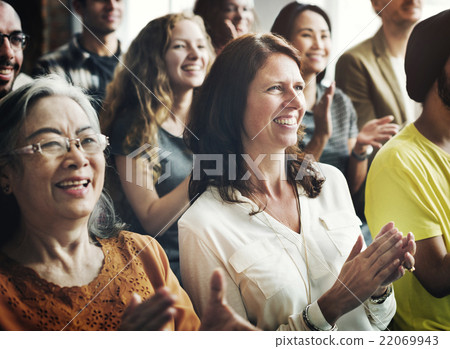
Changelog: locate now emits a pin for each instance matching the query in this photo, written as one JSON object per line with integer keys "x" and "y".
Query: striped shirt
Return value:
{"x": 343, "y": 118}
{"x": 80, "y": 67}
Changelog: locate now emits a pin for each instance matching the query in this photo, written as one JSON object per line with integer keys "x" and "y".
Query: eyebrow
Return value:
{"x": 54, "y": 130}
{"x": 311, "y": 30}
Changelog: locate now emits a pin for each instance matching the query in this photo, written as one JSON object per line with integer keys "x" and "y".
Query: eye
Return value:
{"x": 201, "y": 46}
{"x": 53, "y": 145}
{"x": 275, "y": 88}
{"x": 178, "y": 46}
{"x": 299, "y": 87}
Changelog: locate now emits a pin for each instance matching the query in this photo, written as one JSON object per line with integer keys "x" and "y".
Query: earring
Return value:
{"x": 6, "y": 189}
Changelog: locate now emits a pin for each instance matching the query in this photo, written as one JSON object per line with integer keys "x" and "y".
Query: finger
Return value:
{"x": 356, "y": 248}
{"x": 160, "y": 321}
{"x": 386, "y": 253}
{"x": 217, "y": 287}
{"x": 383, "y": 243}
{"x": 385, "y": 229}
{"x": 385, "y": 120}
{"x": 233, "y": 32}
{"x": 409, "y": 261}
{"x": 391, "y": 271}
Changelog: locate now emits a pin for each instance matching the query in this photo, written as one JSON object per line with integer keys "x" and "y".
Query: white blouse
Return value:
{"x": 268, "y": 273}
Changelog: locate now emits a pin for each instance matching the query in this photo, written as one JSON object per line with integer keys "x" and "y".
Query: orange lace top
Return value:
{"x": 133, "y": 264}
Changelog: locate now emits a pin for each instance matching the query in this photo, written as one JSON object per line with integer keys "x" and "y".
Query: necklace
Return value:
{"x": 266, "y": 221}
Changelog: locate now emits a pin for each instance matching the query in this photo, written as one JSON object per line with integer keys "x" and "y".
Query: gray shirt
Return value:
{"x": 343, "y": 118}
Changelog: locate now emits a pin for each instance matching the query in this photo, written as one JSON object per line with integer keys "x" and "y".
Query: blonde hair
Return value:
{"x": 141, "y": 87}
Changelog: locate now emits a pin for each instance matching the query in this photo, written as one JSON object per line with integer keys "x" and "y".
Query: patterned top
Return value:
{"x": 343, "y": 117}
{"x": 28, "y": 302}
{"x": 80, "y": 67}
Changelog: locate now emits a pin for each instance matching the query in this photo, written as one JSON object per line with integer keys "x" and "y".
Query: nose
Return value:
{"x": 318, "y": 41}
{"x": 75, "y": 156}
{"x": 6, "y": 49}
{"x": 295, "y": 99}
{"x": 194, "y": 52}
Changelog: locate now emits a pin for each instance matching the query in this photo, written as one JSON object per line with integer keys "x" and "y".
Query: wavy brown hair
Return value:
{"x": 216, "y": 118}
{"x": 141, "y": 88}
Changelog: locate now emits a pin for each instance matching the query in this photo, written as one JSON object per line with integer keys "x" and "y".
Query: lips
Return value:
{"x": 285, "y": 121}
{"x": 74, "y": 184}
{"x": 7, "y": 70}
{"x": 191, "y": 67}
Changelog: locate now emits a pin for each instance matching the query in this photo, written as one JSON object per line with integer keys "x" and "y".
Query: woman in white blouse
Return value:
{"x": 283, "y": 228}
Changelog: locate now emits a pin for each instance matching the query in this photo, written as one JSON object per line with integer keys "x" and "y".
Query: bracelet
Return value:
{"x": 363, "y": 156}
{"x": 383, "y": 297}
{"x": 310, "y": 325}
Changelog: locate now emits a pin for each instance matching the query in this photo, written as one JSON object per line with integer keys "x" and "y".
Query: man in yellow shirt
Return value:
{"x": 409, "y": 181}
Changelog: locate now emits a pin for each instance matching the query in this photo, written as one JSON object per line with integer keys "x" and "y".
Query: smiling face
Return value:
{"x": 10, "y": 59}
{"x": 403, "y": 13}
{"x": 311, "y": 36}
{"x": 240, "y": 13}
{"x": 187, "y": 56}
{"x": 57, "y": 188}
{"x": 275, "y": 107}
{"x": 102, "y": 17}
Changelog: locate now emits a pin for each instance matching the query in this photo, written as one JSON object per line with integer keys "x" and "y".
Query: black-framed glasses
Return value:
{"x": 59, "y": 145}
{"x": 17, "y": 40}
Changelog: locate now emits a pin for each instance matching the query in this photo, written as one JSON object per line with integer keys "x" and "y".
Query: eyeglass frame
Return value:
{"x": 25, "y": 38}
{"x": 36, "y": 147}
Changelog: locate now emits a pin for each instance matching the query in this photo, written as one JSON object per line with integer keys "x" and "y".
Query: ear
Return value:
{"x": 376, "y": 5}
{"x": 5, "y": 180}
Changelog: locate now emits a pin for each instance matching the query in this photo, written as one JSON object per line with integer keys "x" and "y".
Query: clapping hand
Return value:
{"x": 155, "y": 313}
{"x": 322, "y": 113}
{"x": 376, "y": 131}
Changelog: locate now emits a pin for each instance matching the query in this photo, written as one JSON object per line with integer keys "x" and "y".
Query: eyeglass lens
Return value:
{"x": 17, "y": 41}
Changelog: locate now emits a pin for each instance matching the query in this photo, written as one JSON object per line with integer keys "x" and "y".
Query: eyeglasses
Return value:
{"x": 59, "y": 146}
{"x": 17, "y": 40}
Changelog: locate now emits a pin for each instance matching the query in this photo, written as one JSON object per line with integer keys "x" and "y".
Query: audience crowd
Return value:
{"x": 208, "y": 178}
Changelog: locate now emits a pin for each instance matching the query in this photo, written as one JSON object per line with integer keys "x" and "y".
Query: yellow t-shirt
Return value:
{"x": 409, "y": 183}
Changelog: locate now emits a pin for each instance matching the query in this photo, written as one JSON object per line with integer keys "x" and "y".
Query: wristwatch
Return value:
{"x": 363, "y": 156}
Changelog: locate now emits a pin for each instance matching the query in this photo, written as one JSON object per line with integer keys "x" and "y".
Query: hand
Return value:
{"x": 323, "y": 125}
{"x": 218, "y": 316}
{"x": 225, "y": 31}
{"x": 363, "y": 273}
{"x": 152, "y": 315}
{"x": 374, "y": 132}
{"x": 406, "y": 257}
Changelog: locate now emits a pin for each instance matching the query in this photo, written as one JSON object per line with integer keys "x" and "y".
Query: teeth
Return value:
{"x": 191, "y": 67}
{"x": 77, "y": 184}
{"x": 290, "y": 121}
{"x": 5, "y": 71}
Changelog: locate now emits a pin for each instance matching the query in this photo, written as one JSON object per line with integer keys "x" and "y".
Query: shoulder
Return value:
{"x": 133, "y": 243}
{"x": 331, "y": 174}
{"x": 358, "y": 52}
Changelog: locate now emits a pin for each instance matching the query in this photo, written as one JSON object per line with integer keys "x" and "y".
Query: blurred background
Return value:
{"x": 51, "y": 23}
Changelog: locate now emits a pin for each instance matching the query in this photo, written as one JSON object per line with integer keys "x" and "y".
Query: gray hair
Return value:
{"x": 14, "y": 108}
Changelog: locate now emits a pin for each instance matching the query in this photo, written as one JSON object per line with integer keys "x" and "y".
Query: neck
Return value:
{"x": 57, "y": 241}
{"x": 102, "y": 45}
{"x": 434, "y": 122}
{"x": 272, "y": 178}
{"x": 396, "y": 38}
{"x": 310, "y": 90}
{"x": 182, "y": 103}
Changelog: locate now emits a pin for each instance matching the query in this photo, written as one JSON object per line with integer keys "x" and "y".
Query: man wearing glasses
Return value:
{"x": 12, "y": 43}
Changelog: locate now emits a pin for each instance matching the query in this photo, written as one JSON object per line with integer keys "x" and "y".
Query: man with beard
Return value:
{"x": 90, "y": 58}
{"x": 409, "y": 181}
{"x": 372, "y": 73}
{"x": 12, "y": 43}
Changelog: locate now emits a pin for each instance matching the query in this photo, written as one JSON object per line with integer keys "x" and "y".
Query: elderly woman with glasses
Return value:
{"x": 65, "y": 262}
